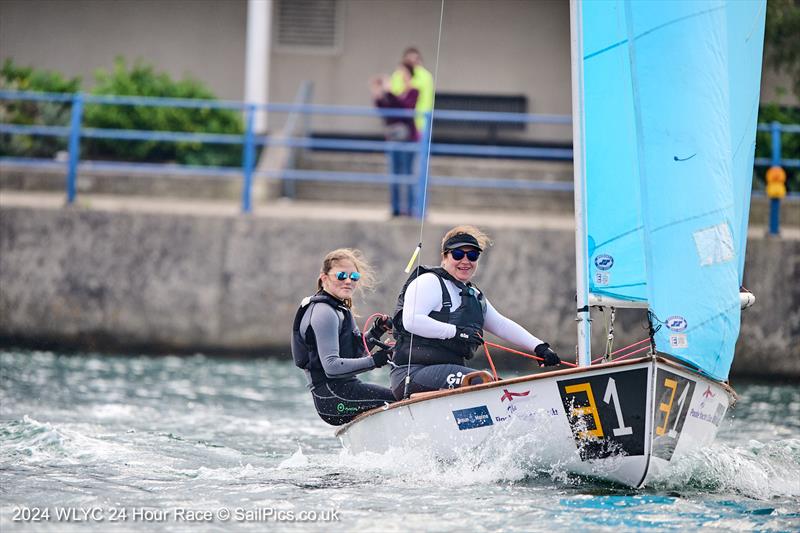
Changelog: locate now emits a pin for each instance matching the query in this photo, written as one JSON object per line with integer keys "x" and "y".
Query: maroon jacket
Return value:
{"x": 406, "y": 101}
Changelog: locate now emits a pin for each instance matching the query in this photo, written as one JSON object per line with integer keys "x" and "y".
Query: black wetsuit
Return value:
{"x": 435, "y": 363}
{"x": 327, "y": 344}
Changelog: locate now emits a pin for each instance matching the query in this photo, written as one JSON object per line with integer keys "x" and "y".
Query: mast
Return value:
{"x": 579, "y": 171}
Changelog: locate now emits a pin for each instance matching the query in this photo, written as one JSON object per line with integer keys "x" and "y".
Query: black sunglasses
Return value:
{"x": 341, "y": 276}
{"x": 458, "y": 254}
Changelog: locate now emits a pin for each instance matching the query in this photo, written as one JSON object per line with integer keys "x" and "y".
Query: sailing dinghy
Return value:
{"x": 665, "y": 101}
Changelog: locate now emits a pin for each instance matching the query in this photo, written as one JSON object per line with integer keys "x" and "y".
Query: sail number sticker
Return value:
{"x": 607, "y": 412}
{"x": 672, "y": 400}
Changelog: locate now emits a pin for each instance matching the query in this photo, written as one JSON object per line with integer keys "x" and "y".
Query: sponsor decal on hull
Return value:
{"x": 520, "y": 405}
{"x": 474, "y": 417}
{"x": 714, "y": 418}
{"x": 703, "y": 412}
{"x": 508, "y": 395}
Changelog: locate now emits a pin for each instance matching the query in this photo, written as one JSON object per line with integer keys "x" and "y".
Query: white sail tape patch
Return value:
{"x": 714, "y": 245}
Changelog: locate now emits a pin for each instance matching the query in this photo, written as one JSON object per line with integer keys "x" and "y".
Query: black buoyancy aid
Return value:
{"x": 304, "y": 344}
{"x": 425, "y": 351}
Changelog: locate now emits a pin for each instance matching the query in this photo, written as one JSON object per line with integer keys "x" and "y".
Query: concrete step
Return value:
{"x": 444, "y": 166}
{"x": 22, "y": 178}
{"x": 457, "y": 197}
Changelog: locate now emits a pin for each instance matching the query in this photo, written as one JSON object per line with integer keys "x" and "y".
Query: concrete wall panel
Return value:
{"x": 201, "y": 38}
{"x": 135, "y": 281}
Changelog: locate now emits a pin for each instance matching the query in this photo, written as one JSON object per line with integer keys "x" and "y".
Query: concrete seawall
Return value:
{"x": 151, "y": 279}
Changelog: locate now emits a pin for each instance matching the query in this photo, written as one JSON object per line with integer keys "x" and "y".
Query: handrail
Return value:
{"x": 250, "y": 141}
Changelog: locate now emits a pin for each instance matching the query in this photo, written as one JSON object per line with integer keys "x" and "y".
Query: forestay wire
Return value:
{"x": 424, "y": 202}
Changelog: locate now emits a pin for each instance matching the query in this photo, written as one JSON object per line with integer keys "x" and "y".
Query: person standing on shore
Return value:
{"x": 398, "y": 129}
{"x": 421, "y": 80}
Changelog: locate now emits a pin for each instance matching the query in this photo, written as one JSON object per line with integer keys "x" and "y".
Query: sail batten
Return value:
{"x": 670, "y": 91}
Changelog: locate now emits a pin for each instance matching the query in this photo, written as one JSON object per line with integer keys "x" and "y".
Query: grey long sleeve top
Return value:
{"x": 326, "y": 321}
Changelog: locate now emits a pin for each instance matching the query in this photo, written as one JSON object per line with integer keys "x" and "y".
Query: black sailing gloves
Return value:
{"x": 381, "y": 357}
{"x": 380, "y": 325}
{"x": 469, "y": 336}
{"x": 550, "y": 358}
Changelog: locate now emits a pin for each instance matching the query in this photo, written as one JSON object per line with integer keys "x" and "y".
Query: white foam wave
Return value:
{"x": 508, "y": 455}
{"x": 297, "y": 460}
{"x": 757, "y": 470}
{"x": 761, "y": 471}
{"x": 69, "y": 443}
{"x": 238, "y": 473}
{"x": 31, "y": 438}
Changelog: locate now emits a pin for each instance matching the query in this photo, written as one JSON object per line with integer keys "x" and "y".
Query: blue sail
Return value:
{"x": 667, "y": 211}
{"x": 745, "y": 20}
{"x": 614, "y": 224}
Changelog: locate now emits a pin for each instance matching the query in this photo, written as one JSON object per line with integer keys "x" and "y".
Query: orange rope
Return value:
{"x": 630, "y": 346}
{"x": 623, "y": 349}
{"x": 491, "y": 363}
{"x": 486, "y": 345}
{"x": 567, "y": 363}
{"x": 632, "y": 353}
{"x": 364, "y": 330}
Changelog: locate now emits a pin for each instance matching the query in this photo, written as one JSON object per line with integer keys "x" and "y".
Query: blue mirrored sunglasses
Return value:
{"x": 341, "y": 276}
{"x": 458, "y": 254}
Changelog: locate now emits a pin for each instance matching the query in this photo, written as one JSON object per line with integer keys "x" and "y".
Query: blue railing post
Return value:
{"x": 74, "y": 146}
{"x": 420, "y": 198}
{"x": 775, "y": 203}
{"x": 248, "y": 159}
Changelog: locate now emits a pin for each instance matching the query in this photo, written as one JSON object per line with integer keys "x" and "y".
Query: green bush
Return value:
{"x": 16, "y": 78}
{"x": 790, "y": 143}
{"x": 142, "y": 80}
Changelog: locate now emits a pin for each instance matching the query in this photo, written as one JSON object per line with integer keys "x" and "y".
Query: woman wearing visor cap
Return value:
{"x": 327, "y": 344}
{"x": 447, "y": 315}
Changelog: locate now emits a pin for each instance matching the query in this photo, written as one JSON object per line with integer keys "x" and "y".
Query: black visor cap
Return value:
{"x": 461, "y": 239}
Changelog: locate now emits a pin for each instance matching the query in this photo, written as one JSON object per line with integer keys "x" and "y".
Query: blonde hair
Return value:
{"x": 367, "y": 281}
{"x": 482, "y": 238}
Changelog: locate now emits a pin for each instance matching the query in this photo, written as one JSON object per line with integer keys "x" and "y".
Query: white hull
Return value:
{"x": 624, "y": 422}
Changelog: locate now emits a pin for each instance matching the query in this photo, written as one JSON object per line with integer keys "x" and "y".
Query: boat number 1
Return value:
{"x": 611, "y": 396}
{"x": 666, "y": 408}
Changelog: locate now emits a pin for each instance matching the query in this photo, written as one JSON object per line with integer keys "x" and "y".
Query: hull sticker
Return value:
{"x": 607, "y": 412}
{"x": 673, "y": 397}
{"x": 474, "y": 417}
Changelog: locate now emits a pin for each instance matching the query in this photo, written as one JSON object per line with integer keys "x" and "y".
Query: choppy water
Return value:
{"x": 151, "y": 443}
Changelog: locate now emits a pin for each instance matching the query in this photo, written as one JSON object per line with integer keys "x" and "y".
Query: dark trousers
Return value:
{"x": 426, "y": 378}
{"x": 339, "y": 402}
{"x": 401, "y": 164}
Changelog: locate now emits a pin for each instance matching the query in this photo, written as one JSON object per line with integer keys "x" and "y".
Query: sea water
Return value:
{"x": 105, "y": 443}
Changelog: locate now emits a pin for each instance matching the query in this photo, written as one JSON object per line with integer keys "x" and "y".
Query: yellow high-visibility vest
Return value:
{"x": 421, "y": 81}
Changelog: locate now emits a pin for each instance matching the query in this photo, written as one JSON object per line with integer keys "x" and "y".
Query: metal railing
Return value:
{"x": 776, "y": 129}
{"x": 251, "y": 141}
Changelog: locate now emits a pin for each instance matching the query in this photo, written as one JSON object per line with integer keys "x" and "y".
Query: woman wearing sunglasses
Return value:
{"x": 327, "y": 344}
{"x": 447, "y": 314}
